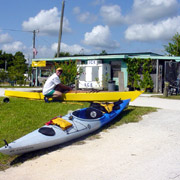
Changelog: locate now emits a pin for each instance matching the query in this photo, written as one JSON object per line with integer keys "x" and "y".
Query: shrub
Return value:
{"x": 70, "y": 72}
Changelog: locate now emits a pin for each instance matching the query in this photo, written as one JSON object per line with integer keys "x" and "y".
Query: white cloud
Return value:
{"x": 47, "y": 21}
{"x": 17, "y": 46}
{"x": 98, "y": 2}
{"x": 151, "y": 31}
{"x": 44, "y": 52}
{"x": 148, "y": 19}
{"x": 112, "y": 14}
{"x": 14, "y": 47}
{"x": 72, "y": 49}
{"x": 149, "y": 10}
{"x": 85, "y": 17}
{"x": 49, "y": 52}
{"x": 76, "y": 10}
{"x": 143, "y": 11}
{"x": 5, "y": 38}
{"x": 100, "y": 37}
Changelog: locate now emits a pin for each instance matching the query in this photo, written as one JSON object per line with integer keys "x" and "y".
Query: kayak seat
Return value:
{"x": 92, "y": 113}
{"x": 88, "y": 113}
{"x": 79, "y": 113}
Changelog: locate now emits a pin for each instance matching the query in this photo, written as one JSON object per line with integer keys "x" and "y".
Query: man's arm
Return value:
{"x": 61, "y": 87}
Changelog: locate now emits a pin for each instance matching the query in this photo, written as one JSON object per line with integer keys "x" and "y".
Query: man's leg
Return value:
{"x": 59, "y": 89}
{"x": 57, "y": 94}
{"x": 53, "y": 94}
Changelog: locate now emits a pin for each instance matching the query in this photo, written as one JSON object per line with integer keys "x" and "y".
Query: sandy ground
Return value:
{"x": 148, "y": 150}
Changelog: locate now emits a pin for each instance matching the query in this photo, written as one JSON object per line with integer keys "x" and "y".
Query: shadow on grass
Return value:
{"x": 95, "y": 135}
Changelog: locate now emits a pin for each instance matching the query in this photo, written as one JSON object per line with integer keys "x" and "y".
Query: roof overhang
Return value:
{"x": 84, "y": 58}
{"x": 169, "y": 58}
{"x": 108, "y": 57}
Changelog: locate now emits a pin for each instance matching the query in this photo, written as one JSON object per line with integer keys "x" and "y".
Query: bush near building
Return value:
{"x": 139, "y": 74}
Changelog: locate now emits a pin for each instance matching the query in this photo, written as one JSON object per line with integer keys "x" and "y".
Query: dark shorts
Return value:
{"x": 50, "y": 93}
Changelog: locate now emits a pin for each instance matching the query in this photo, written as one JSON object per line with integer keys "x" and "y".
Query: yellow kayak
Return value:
{"x": 80, "y": 95}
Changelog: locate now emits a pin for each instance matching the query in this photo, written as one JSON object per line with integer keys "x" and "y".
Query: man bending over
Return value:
{"x": 53, "y": 86}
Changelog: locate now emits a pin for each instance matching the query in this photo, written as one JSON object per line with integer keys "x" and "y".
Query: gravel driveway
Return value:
{"x": 148, "y": 150}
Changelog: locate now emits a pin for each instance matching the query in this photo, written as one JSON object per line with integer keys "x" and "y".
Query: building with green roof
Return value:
{"x": 118, "y": 66}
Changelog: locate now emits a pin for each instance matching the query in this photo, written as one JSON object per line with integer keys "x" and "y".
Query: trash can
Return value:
{"x": 111, "y": 85}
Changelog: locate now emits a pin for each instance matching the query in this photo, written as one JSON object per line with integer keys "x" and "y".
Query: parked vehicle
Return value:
{"x": 174, "y": 88}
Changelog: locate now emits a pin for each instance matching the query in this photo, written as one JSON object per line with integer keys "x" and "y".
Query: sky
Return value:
{"x": 89, "y": 26}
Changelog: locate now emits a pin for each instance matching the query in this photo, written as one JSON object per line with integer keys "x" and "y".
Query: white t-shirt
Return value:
{"x": 51, "y": 83}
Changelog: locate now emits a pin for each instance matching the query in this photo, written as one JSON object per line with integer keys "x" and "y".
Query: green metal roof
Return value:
{"x": 176, "y": 58}
{"x": 112, "y": 57}
{"x": 83, "y": 58}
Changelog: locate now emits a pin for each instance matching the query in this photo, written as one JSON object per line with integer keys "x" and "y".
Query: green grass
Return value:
{"x": 21, "y": 116}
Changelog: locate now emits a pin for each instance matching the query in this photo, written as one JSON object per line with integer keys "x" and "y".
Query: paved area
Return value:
{"x": 157, "y": 102}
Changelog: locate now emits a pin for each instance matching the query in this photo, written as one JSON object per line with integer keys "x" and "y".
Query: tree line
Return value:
{"x": 173, "y": 47}
{"x": 13, "y": 67}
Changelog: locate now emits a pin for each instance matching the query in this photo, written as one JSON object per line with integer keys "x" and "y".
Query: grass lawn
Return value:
{"x": 21, "y": 116}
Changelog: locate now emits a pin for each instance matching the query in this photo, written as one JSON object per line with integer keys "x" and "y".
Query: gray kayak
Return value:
{"x": 63, "y": 129}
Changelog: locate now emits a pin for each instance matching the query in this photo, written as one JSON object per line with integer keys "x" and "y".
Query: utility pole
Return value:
{"x": 60, "y": 30}
{"x": 34, "y": 40}
{"x": 34, "y": 37}
{"x": 34, "y": 54}
{"x": 5, "y": 65}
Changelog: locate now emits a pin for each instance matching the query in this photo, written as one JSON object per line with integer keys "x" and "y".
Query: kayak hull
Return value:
{"x": 80, "y": 96}
{"x": 80, "y": 126}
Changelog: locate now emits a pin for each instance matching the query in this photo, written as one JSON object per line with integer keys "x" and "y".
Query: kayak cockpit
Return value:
{"x": 88, "y": 113}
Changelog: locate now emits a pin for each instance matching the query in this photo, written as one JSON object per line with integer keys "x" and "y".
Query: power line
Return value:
{"x": 4, "y": 29}
{"x": 40, "y": 38}
{"x": 37, "y": 31}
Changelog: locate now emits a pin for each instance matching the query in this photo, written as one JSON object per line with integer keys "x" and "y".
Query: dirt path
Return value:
{"x": 148, "y": 150}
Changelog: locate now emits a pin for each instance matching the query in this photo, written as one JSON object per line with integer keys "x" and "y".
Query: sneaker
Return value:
{"x": 46, "y": 99}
